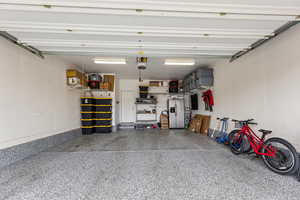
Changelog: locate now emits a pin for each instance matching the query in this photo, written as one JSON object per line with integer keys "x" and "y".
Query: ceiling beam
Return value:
{"x": 143, "y": 47}
{"x": 160, "y": 55}
{"x": 137, "y": 52}
{"x": 128, "y": 43}
{"x": 134, "y": 45}
{"x": 109, "y": 48}
{"x": 131, "y": 29}
{"x": 138, "y": 34}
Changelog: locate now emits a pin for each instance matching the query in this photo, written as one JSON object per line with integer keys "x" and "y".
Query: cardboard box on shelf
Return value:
{"x": 73, "y": 81}
{"x": 110, "y": 79}
{"x": 154, "y": 83}
{"x": 83, "y": 80}
{"x": 76, "y": 78}
{"x": 73, "y": 73}
{"x": 104, "y": 86}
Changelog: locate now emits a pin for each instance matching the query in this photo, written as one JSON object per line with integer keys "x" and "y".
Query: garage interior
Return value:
{"x": 137, "y": 99}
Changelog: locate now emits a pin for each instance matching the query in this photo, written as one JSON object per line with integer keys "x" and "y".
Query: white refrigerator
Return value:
{"x": 176, "y": 112}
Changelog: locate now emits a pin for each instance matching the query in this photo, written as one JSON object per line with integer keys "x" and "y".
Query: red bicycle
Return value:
{"x": 278, "y": 154}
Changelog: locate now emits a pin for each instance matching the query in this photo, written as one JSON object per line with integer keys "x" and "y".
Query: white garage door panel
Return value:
{"x": 214, "y": 29}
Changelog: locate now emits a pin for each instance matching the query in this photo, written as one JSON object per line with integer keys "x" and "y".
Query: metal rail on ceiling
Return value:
{"x": 29, "y": 48}
{"x": 262, "y": 41}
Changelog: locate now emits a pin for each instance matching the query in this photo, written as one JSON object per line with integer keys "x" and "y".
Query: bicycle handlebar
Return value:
{"x": 223, "y": 119}
{"x": 249, "y": 121}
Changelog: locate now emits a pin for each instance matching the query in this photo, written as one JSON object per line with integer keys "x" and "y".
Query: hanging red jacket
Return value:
{"x": 208, "y": 99}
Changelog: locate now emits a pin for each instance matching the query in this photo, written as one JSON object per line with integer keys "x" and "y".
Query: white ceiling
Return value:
{"x": 207, "y": 30}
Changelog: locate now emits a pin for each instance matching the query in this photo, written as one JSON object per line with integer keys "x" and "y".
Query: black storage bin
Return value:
{"x": 173, "y": 90}
{"x": 103, "y": 129}
{"x": 144, "y": 88}
{"x": 87, "y": 130}
{"x": 103, "y": 108}
{"x": 87, "y": 107}
{"x": 88, "y": 122}
{"x": 87, "y": 115}
{"x": 87, "y": 100}
{"x": 173, "y": 86}
{"x": 102, "y": 122}
{"x": 102, "y": 101}
{"x": 102, "y": 115}
{"x": 143, "y": 95}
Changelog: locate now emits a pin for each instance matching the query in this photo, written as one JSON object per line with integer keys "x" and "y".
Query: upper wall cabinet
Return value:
{"x": 202, "y": 77}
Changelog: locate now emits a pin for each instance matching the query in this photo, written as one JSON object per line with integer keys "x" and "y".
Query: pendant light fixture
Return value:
{"x": 141, "y": 65}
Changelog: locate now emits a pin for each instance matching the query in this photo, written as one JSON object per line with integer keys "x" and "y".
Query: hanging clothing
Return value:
{"x": 208, "y": 99}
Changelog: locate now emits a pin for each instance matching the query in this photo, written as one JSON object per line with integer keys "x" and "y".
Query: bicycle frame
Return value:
{"x": 257, "y": 143}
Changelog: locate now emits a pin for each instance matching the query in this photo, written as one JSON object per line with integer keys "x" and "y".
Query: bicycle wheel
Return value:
{"x": 286, "y": 159}
{"x": 235, "y": 147}
{"x": 236, "y": 142}
{"x": 232, "y": 134}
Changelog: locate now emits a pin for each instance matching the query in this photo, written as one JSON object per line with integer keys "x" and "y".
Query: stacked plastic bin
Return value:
{"x": 144, "y": 92}
{"x": 87, "y": 110}
{"x": 102, "y": 115}
{"x": 96, "y": 115}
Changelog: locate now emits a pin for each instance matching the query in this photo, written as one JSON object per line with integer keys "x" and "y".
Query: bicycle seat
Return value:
{"x": 266, "y": 132}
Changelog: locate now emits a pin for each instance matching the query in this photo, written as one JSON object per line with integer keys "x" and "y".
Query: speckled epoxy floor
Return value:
{"x": 143, "y": 165}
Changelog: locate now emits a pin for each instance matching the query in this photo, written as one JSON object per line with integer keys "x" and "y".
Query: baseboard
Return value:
{"x": 19, "y": 152}
{"x": 114, "y": 129}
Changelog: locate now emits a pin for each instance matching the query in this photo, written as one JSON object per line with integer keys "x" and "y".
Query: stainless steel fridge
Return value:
{"x": 176, "y": 112}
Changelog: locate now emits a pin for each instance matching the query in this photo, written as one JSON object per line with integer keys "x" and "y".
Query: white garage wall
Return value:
{"x": 35, "y": 101}
{"x": 265, "y": 85}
